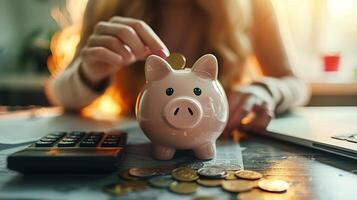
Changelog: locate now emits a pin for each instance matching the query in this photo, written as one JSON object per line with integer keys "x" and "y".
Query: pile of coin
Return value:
{"x": 186, "y": 180}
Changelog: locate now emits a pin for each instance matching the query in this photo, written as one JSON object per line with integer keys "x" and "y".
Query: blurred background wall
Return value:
{"x": 312, "y": 31}
{"x": 25, "y": 33}
{"x": 20, "y": 22}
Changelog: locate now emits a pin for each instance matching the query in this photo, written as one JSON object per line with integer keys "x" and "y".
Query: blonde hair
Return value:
{"x": 227, "y": 36}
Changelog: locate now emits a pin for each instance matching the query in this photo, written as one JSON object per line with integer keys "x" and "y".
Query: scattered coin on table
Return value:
{"x": 142, "y": 172}
{"x": 230, "y": 175}
{"x": 161, "y": 181}
{"x": 116, "y": 189}
{"x": 126, "y": 176}
{"x": 237, "y": 185}
{"x": 187, "y": 179}
{"x": 212, "y": 172}
{"x": 248, "y": 174}
{"x": 209, "y": 182}
{"x": 183, "y": 187}
{"x": 184, "y": 174}
{"x": 124, "y": 188}
{"x": 273, "y": 185}
{"x": 204, "y": 198}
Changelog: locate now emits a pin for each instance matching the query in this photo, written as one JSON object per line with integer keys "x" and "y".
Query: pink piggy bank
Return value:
{"x": 182, "y": 109}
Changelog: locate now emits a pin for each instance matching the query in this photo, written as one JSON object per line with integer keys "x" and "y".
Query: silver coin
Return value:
{"x": 212, "y": 172}
{"x": 161, "y": 181}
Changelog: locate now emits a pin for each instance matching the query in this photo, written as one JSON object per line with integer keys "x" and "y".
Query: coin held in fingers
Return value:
{"x": 177, "y": 60}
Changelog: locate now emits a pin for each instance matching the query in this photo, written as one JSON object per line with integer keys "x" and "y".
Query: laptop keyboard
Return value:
{"x": 348, "y": 138}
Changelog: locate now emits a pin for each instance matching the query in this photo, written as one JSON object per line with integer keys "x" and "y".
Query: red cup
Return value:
{"x": 331, "y": 63}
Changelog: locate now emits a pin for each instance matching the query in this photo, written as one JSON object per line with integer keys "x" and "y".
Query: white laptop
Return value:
{"x": 331, "y": 129}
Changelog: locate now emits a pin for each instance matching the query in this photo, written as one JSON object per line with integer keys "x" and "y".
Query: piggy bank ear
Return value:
{"x": 156, "y": 68}
{"x": 206, "y": 67}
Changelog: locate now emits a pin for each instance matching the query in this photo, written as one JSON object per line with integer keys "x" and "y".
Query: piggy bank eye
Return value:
{"x": 197, "y": 91}
{"x": 169, "y": 91}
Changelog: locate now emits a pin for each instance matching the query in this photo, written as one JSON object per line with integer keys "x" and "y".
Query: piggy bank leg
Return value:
{"x": 206, "y": 151}
{"x": 162, "y": 153}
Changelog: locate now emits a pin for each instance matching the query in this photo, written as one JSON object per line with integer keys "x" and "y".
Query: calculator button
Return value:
{"x": 112, "y": 137}
{"x": 92, "y": 137}
{"x": 69, "y": 140}
{"x": 66, "y": 144}
{"x": 91, "y": 140}
{"x": 52, "y": 137}
{"x": 52, "y": 140}
{"x": 109, "y": 144}
{"x": 88, "y": 144}
{"x": 57, "y": 134}
{"x": 76, "y": 134}
{"x": 43, "y": 144}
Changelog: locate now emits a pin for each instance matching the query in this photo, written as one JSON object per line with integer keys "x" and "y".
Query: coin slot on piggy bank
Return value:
{"x": 182, "y": 108}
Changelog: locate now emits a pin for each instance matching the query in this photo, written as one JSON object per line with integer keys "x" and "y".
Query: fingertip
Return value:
{"x": 166, "y": 52}
{"x": 163, "y": 53}
{"x": 116, "y": 59}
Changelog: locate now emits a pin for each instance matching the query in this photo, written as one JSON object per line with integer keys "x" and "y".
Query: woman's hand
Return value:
{"x": 117, "y": 43}
{"x": 250, "y": 109}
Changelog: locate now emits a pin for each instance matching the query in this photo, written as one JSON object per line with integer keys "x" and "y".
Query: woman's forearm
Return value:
{"x": 68, "y": 89}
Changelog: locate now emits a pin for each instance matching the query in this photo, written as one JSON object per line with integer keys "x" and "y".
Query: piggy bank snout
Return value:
{"x": 183, "y": 112}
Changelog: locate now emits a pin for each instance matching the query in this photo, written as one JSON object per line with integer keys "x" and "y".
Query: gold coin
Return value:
{"x": 209, "y": 182}
{"x": 183, "y": 187}
{"x": 231, "y": 175}
{"x": 248, "y": 174}
{"x": 177, "y": 60}
{"x": 124, "y": 188}
{"x": 204, "y": 198}
{"x": 184, "y": 174}
{"x": 117, "y": 189}
{"x": 126, "y": 176}
{"x": 237, "y": 185}
{"x": 142, "y": 172}
{"x": 273, "y": 185}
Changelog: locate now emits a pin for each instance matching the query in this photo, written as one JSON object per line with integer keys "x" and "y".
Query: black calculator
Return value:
{"x": 71, "y": 152}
